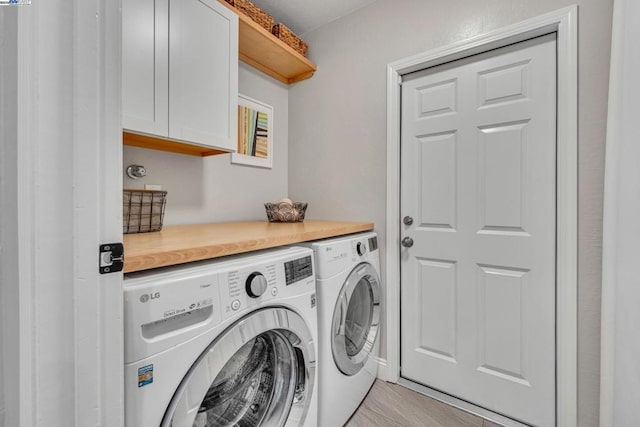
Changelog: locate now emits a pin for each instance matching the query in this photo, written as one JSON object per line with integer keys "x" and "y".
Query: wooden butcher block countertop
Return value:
{"x": 186, "y": 243}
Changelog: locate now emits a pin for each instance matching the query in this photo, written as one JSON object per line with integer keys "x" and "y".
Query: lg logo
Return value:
{"x": 147, "y": 297}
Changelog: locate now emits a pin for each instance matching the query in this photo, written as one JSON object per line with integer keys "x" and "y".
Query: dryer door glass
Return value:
{"x": 265, "y": 381}
{"x": 356, "y": 319}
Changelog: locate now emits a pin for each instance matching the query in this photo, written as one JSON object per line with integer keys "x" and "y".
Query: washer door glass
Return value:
{"x": 356, "y": 319}
{"x": 243, "y": 392}
{"x": 265, "y": 381}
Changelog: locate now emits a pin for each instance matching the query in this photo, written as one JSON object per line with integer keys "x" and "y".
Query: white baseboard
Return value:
{"x": 383, "y": 370}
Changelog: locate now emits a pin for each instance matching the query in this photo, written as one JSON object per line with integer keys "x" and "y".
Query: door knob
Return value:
{"x": 407, "y": 242}
{"x": 407, "y": 220}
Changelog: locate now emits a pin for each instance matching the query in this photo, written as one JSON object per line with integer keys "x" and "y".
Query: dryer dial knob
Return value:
{"x": 361, "y": 248}
{"x": 256, "y": 285}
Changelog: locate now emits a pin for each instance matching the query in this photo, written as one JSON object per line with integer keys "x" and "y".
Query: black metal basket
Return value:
{"x": 142, "y": 210}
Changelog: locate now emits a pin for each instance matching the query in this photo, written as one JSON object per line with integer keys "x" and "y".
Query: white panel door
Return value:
{"x": 478, "y": 169}
{"x": 203, "y": 73}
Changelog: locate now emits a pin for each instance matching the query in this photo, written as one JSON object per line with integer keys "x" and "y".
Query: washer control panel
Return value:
{"x": 256, "y": 285}
{"x": 298, "y": 269}
{"x": 246, "y": 286}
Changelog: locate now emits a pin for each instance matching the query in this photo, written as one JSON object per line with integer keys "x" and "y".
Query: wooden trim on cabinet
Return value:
{"x": 156, "y": 143}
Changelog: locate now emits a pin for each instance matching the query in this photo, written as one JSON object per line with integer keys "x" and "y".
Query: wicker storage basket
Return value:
{"x": 254, "y": 12}
{"x": 142, "y": 210}
{"x": 285, "y": 212}
{"x": 286, "y": 35}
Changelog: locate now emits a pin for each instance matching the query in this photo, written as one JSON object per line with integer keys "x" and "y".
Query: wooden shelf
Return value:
{"x": 178, "y": 244}
{"x": 264, "y": 51}
{"x": 157, "y": 143}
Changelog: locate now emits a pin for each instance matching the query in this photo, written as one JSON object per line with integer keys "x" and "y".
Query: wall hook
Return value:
{"x": 136, "y": 171}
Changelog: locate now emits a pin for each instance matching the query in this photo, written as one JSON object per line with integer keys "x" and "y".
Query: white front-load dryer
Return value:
{"x": 348, "y": 287}
{"x": 223, "y": 343}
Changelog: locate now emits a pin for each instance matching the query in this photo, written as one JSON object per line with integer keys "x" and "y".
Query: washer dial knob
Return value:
{"x": 361, "y": 248}
{"x": 256, "y": 285}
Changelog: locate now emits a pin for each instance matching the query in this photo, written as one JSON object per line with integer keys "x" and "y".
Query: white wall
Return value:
{"x": 620, "y": 292}
{"x": 212, "y": 189}
{"x": 8, "y": 216}
{"x": 338, "y": 125}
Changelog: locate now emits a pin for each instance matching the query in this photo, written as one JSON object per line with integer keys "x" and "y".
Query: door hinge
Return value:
{"x": 111, "y": 258}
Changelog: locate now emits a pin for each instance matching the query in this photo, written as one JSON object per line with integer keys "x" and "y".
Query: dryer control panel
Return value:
{"x": 334, "y": 256}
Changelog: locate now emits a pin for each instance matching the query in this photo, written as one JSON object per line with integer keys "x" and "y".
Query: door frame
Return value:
{"x": 564, "y": 23}
{"x": 68, "y": 204}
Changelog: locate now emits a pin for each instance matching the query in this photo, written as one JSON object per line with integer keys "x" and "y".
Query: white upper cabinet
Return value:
{"x": 180, "y": 71}
{"x": 203, "y": 83}
{"x": 145, "y": 66}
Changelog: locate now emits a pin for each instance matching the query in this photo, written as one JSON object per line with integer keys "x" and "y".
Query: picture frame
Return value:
{"x": 255, "y": 133}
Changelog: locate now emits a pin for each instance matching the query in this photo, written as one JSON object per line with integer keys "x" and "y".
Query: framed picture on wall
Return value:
{"x": 255, "y": 133}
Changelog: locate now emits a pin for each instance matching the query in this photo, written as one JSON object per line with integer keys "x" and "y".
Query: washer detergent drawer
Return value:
{"x": 164, "y": 310}
{"x": 177, "y": 322}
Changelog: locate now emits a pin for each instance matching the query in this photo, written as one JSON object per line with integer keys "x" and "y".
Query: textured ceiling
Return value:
{"x": 303, "y": 16}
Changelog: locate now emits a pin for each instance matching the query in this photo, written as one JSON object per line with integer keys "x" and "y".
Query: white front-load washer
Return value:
{"x": 348, "y": 287}
{"x": 223, "y": 343}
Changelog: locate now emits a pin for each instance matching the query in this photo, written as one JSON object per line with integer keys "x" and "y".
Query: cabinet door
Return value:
{"x": 145, "y": 66}
{"x": 203, "y": 73}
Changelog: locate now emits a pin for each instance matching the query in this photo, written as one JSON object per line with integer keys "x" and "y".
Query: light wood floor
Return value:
{"x": 391, "y": 405}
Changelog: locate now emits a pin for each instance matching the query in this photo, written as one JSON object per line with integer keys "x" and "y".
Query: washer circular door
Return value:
{"x": 260, "y": 371}
{"x": 356, "y": 319}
